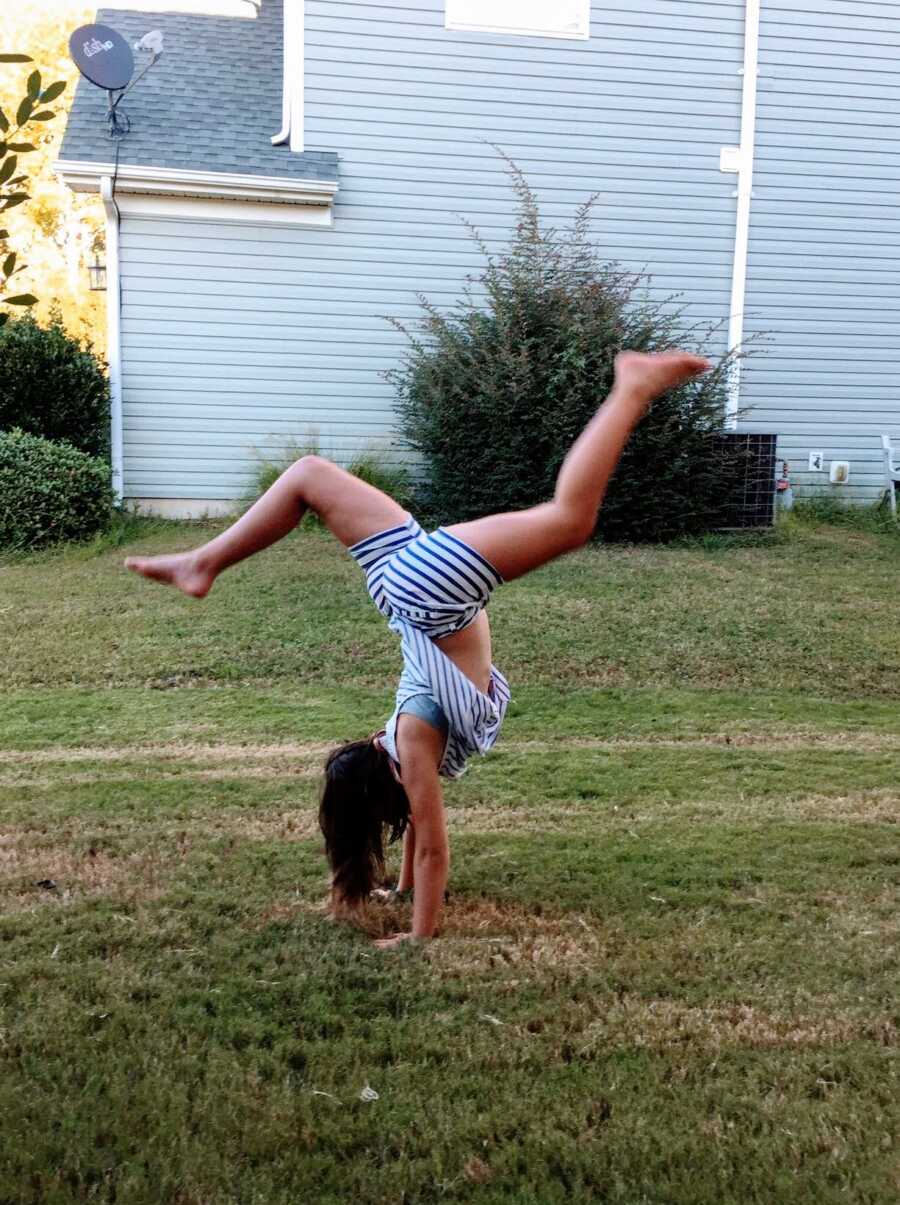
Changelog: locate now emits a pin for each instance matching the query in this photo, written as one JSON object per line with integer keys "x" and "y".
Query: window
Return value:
{"x": 206, "y": 8}
{"x": 535, "y": 18}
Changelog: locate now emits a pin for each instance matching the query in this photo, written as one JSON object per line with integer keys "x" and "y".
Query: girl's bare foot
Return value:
{"x": 649, "y": 375}
{"x": 181, "y": 570}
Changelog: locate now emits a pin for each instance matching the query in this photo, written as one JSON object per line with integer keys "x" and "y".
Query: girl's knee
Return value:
{"x": 309, "y": 469}
{"x": 310, "y": 462}
{"x": 577, "y": 527}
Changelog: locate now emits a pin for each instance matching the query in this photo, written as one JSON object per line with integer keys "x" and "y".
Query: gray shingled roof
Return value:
{"x": 212, "y": 102}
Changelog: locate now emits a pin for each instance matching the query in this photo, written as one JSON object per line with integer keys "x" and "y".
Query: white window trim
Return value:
{"x": 521, "y": 32}
{"x": 85, "y": 176}
{"x": 292, "y": 109}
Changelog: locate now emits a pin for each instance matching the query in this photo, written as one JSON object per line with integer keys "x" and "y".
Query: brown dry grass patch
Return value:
{"x": 289, "y": 751}
{"x": 476, "y": 926}
{"x": 876, "y": 806}
{"x": 481, "y": 935}
{"x": 507, "y": 945}
{"x": 80, "y": 874}
{"x": 664, "y": 1024}
{"x": 287, "y": 756}
{"x": 876, "y": 919}
{"x": 862, "y": 807}
{"x": 776, "y": 740}
{"x": 24, "y": 777}
{"x": 82, "y": 861}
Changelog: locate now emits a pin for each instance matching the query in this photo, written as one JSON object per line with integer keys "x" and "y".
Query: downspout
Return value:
{"x": 285, "y": 132}
{"x": 114, "y": 332}
{"x": 298, "y": 110}
{"x": 744, "y": 196}
{"x": 292, "y": 88}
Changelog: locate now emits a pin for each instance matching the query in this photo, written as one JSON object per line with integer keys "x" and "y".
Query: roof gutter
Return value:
{"x": 114, "y": 333}
{"x": 744, "y": 194}
{"x": 86, "y": 175}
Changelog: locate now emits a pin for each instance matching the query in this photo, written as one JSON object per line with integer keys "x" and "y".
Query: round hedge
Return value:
{"x": 50, "y": 492}
{"x": 493, "y": 392}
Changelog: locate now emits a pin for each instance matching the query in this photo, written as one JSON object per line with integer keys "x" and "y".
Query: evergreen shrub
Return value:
{"x": 51, "y": 384}
{"x": 492, "y": 393}
{"x": 50, "y": 492}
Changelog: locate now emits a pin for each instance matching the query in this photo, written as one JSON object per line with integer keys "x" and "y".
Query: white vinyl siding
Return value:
{"x": 637, "y": 114}
{"x": 825, "y": 237}
{"x": 237, "y": 339}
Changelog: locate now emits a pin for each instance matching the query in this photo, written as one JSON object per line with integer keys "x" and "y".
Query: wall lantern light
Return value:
{"x": 97, "y": 273}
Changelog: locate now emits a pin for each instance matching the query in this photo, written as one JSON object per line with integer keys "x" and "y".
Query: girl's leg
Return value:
{"x": 520, "y": 541}
{"x": 351, "y": 509}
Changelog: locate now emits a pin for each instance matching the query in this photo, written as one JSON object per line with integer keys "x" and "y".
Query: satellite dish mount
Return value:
{"x": 105, "y": 59}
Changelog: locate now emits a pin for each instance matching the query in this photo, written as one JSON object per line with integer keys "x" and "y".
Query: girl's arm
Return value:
{"x": 406, "y": 879}
{"x": 431, "y": 859}
{"x": 420, "y": 747}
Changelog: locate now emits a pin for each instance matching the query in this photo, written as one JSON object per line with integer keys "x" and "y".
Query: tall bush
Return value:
{"x": 493, "y": 393}
{"x": 52, "y": 385}
{"x": 49, "y": 492}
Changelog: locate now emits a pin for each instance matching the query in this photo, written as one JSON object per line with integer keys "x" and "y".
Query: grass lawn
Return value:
{"x": 669, "y": 969}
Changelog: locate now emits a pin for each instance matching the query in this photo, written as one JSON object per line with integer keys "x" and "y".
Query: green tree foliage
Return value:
{"x": 49, "y": 492}
{"x": 15, "y": 142}
{"x": 51, "y": 384}
{"x": 58, "y": 231}
{"x": 493, "y": 393}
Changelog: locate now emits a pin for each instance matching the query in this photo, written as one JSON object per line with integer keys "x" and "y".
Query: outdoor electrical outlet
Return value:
{"x": 840, "y": 472}
{"x": 816, "y": 462}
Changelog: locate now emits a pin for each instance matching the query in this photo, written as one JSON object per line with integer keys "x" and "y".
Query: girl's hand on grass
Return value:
{"x": 396, "y": 939}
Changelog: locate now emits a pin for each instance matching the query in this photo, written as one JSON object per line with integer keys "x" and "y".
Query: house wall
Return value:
{"x": 637, "y": 114}
{"x": 233, "y": 351}
{"x": 238, "y": 338}
{"x": 822, "y": 272}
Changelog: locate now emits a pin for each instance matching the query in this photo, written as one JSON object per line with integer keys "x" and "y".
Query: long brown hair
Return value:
{"x": 361, "y": 800}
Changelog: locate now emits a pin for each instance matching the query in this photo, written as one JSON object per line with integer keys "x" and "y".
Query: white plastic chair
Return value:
{"x": 891, "y": 472}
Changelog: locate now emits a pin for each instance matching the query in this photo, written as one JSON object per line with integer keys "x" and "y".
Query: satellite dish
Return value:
{"x": 102, "y": 56}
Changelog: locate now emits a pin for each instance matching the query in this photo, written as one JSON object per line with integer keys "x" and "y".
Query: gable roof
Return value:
{"x": 212, "y": 103}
